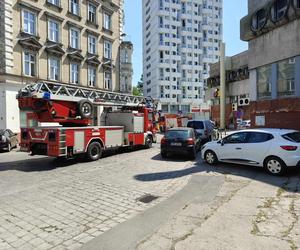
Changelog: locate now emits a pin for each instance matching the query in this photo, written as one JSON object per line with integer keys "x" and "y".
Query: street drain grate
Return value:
{"x": 147, "y": 198}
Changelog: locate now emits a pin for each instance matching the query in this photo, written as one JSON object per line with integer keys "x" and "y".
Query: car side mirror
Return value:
{"x": 222, "y": 142}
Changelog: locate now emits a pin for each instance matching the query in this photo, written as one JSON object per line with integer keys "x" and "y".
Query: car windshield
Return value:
{"x": 293, "y": 137}
{"x": 177, "y": 134}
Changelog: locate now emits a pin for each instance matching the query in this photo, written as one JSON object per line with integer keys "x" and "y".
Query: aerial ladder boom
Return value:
{"x": 72, "y": 105}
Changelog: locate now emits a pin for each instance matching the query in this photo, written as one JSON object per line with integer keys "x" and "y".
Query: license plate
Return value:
{"x": 176, "y": 144}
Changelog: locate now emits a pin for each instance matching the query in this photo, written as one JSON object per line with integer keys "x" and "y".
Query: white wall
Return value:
{"x": 9, "y": 110}
{"x": 2, "y": 107}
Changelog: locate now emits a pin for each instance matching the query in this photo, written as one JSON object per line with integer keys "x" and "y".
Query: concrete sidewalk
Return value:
{"x": 222, "y": 207}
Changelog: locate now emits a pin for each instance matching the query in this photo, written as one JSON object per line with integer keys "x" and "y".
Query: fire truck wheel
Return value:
{"x": 85, "y": 109}
{"x": 148, "y": 142}
{"x": 94, "y": 151}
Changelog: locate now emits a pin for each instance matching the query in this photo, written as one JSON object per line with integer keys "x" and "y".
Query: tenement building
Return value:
{"x": 272, "y": 29}
{"x": 180, "y": 39}
{"x": 126, "y": 70}
{"x": 66, "y": 41}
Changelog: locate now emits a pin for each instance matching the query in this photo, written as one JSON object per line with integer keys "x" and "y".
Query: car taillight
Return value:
{"x": 289, "y": 148}
{"x": 163, "y": 141}
{"x": 190, "y": 141}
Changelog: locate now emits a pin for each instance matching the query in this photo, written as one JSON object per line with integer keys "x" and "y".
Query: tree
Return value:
{"x": 140, "y": 84}
{"x": 136, "y": 91}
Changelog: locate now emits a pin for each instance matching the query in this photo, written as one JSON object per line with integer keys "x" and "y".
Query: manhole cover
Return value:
{"x": 147, "y": 198}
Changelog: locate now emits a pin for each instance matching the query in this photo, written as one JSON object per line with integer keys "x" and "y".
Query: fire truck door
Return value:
{"x": 78, "y": 142}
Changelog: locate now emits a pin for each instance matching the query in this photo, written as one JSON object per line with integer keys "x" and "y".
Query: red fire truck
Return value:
{"x": 128, "y": 122}
{"x": 168, "y": 121}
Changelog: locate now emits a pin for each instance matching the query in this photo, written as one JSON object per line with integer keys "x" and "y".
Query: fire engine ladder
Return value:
{"x": 75, "y": 93}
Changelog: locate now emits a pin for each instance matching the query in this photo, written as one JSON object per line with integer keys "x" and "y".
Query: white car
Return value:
{"x": 274, "y": 149}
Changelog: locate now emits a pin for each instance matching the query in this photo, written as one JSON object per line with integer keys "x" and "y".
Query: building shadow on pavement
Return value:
{"x": 248, "y": 172}
{"x": 37, "y": 165}
{"x": 49, "y": 163}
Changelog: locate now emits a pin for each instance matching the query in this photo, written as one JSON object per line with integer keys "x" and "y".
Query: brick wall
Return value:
{"x": 279, "y": 113}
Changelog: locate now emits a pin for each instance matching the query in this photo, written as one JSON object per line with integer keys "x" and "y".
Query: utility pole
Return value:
{"x": 222, "y": 88}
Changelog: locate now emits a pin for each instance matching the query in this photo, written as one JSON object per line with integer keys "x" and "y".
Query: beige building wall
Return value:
{"x": 13, "y": 43}
{"x": 45, "y": 12}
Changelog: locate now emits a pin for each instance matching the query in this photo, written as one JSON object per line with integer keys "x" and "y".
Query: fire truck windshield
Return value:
{"x": 27, "y": 119}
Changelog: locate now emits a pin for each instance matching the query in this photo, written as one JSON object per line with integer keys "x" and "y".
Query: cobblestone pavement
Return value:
{"x": 47, "y": 204}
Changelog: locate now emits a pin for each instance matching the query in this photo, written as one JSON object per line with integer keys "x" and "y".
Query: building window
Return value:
{"x": 92, "y": 44}
{"x": 107, "y": 80}
{"x": 107, "y": 21}
{"x": 259, "y": 20}
{"x": 74, "y": 38}
{"x": 54, "y": 2}
{"x": 53, "y": 31}
{"x": 286, "y": 77}
{"x": 29, "y": 64}
{"x": 264, "y": 85}
{"x": 29, "y": 22}
{"x": 126, "y": 56}
{"x": 279, "y": 9}
{"x": 74, "y": 77}
{"x": 74, "y": 7}
{"x": 92, "y": 10}
{"x": 54, "y": 68}
{"x": 107, "y": 49}
{"x": 92, "y": 76}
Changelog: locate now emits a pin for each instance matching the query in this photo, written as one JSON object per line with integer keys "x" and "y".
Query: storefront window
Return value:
{"x": 264, "y": 86}
{"x": 286, "y": 77}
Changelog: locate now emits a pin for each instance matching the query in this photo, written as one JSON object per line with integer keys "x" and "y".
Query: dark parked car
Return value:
{"x": 8, "y": 139}
{"x": 180, "y": 141}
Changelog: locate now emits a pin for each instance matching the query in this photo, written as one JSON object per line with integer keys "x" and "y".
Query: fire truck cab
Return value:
{"x": 68, "y": 131}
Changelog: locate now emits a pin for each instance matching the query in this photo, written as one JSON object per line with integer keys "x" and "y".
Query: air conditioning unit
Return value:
{"x": 244, "y": 102}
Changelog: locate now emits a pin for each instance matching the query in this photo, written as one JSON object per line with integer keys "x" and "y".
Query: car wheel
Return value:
{"x": 210, "y": 157}
{"x": 148, "y": 142}
{"x": 8, "y": 147}
{"x": 275, "y": 166}
{"x": 163, "y": 154}
{"x": 94, "y": 151}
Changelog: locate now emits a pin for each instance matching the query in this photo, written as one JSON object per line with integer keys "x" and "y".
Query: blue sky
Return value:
{"x": 233, "y": 11}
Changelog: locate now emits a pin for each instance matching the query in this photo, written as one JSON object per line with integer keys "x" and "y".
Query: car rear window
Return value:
{"x": 256, "y": 137}
{"x": 293, "y": 137}
{"x": 196, "y": 125}
{"x": 177, "y": 134}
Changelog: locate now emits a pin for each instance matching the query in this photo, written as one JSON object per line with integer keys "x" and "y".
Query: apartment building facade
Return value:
{"x": 180, "y": 39}
{"x": 66, "y": 41}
